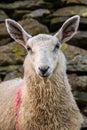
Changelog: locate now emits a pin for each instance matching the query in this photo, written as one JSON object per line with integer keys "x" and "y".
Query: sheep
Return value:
{"x": 45, "y": 100}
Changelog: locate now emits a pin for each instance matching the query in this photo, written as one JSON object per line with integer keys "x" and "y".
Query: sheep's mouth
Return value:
{"x": 44, "y": 75}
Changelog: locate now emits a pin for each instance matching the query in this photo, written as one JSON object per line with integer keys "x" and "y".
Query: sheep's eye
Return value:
{"x": 28, "y": 48}
{"x": 56, "y": 47}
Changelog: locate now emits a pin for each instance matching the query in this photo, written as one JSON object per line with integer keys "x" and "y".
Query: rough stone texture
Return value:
{"x": 84, "y": 111}
{"x": 0, "y": 79}
{"x": 13, "y": 72}
{"x": 78, "y": 82}
{"x": 84, "y": 126}
{"x": 8, "y": 69}
{"x": 10, "y": 72}
{"x": 4, "y": 36}
{"x": 3, "y": 16}
{"x": 31, "y": 4}
{"x": 12, "y": 53}
{"x": 38, "y": 13}
{"x": 43, "y": 16}
{"x": 4, "y": 41}
{"x": 3, "y": 31}
{"x": 71, "y": 10}
{"x": 9, "y": 1}
{"x": 76, "y": 2}
{"x": 56, "y": 3}
{"x": 81, "y": 98}
{"x": 80, "y": 40}
{"x": 76, "y": 59}
{"x": 33, "y": 27}
{"x": 56, "y": 22}
{"x": 18, "y": 14}
{"x": 62, "y": 14}
{"x": 19, "y": 4}
{"x": 78, "y": 64}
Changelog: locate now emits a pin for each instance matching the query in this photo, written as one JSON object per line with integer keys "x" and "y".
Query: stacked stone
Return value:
{"x": 46, "y": 16}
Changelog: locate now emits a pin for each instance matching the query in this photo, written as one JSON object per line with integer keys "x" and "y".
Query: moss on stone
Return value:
{"x": 84, "y": 14}
{"x": 18, "y": 52}
{"x": 55, "y": 20}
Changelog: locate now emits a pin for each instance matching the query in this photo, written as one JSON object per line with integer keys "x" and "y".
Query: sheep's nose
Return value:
{"x": 43, "y": 70}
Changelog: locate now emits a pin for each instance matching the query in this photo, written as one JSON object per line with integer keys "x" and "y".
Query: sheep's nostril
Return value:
{"x": 43, "y": 70}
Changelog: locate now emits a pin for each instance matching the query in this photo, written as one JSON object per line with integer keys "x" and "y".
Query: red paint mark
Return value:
{"x": 17, "y": 106}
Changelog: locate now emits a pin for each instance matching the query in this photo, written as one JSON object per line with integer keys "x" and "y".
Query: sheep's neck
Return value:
{"x": 40, "y": 93}
{"x": 40, "y": 102}
{"x": 37, "y": 91}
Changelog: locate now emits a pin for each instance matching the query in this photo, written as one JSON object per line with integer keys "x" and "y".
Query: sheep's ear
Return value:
{"x": 17, "y": 32}
{"x": 68, "y": 29}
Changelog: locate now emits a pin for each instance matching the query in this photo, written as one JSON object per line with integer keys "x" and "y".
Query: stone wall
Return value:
{"x": 46, "y": 16}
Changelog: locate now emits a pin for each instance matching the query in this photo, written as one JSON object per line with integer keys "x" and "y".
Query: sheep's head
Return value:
{"x": 43, "y": 50}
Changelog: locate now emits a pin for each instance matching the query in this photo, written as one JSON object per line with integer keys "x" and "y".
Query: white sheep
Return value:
{"x": 42, "y": 100}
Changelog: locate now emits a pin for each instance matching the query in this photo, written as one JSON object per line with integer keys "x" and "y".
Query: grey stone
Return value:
{"x": 61, "y": 15}
{"x": 33, "y": 27}
{"x": 31, "y": 4}
{"x": 71, "y": 10}
{"x": 78, "y": 82}
{"x": 3, "y": 16}
{"x": 3, "y": 31}
{"x": 84, "y": 111}
{"x": 0, "y": 80}
{"x": 78, "y": 64}
{"x": 80, "y": 40}
{"x": 9, "y": 68}
{"x": 12, "y": 53}
{"x": 10, "y": 72}
{"x": 16, "y": 72}
{"x": 76, "y": 59}
{"x": 84, "y": 125}
{"x": 4, "y": 41}
{"x": 76, "y": 2}
{"x": 81, "y": 98}
{"x": 38, "y": 13}
{"x": 18, "y": 14}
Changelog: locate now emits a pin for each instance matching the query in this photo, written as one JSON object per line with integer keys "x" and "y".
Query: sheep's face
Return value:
{"x": 43, "y": 50}
{"x": 43, "y": 54}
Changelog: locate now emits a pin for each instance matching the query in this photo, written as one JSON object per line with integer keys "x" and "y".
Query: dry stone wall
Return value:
{"x": 46, "y": 16}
